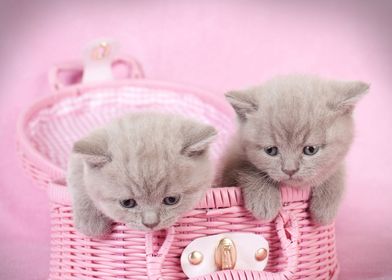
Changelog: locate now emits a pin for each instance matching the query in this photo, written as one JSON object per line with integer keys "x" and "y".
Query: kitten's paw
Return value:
{"x": 321, "y": 213}
{"x": 264, "y": 206}
{"x": 94, "y": 226}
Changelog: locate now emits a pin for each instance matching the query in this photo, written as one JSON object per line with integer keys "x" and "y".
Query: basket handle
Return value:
{"x": 75, "y": 71}
{"x": 155, "y": 259}
{"x": 288, "y": 233}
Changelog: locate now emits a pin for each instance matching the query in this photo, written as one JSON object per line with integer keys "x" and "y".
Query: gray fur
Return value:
{"x": 292, "y": 112}
{"x": 146, "y": 157}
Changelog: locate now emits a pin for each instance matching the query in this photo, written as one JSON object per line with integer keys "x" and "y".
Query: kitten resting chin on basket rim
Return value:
{"x": 293, "y": 130}
{"x": 144, "y": 170}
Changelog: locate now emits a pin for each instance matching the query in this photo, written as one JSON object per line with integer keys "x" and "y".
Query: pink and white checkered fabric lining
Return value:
{"x": 54, "y": 129}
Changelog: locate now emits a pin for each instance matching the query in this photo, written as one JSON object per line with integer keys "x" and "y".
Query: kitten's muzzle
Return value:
{"x": 150, "y": 218}
{"x": 290, "y": 172}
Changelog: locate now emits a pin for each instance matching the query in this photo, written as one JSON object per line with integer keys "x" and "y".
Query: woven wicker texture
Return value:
{"x": 298, "y": 248}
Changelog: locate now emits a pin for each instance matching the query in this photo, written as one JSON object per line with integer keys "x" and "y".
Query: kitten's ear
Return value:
{"x": 93, "y": 149}
{"x": 347, "y": 95}
{"x": 198, "y": 140}
{"x": 243, "y": 103}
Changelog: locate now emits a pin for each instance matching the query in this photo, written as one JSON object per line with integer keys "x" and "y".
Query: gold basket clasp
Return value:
{"x": 225, "y": 254}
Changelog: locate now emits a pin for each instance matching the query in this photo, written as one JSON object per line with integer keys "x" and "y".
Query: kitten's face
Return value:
{"x": 298, "y": 129}
{"x": 158, "y": 168}
{"x": 297, "y": 150}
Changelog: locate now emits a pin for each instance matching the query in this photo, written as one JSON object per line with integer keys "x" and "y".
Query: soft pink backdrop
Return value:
{"x": 217, "y": 45}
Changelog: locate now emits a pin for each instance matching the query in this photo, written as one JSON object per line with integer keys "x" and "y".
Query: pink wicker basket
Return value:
{"x": 298, "y": 248}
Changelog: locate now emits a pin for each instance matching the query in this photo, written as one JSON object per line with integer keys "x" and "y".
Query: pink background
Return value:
{"x": 216, "y": 45}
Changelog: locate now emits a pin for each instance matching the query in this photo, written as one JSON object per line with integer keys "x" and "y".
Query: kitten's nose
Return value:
{"x": 150, "y": 218}
{"x": 290, "y": 172}
{"x": 151, "y": 224}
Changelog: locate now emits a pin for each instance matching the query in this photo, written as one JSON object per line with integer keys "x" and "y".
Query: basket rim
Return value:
{"x": 55, "y": 172}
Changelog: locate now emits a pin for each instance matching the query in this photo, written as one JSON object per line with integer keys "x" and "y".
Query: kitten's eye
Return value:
{"x": 128, "y": 203}
{"x": 171, "y": 200}
{"x": 271, "y": 151}
{"x": 310, "y": 150}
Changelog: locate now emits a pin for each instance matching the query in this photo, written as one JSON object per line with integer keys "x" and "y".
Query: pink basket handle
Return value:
{"x": 288, "y": 233}
{"x": 75, "y": 69}
{"x": 155, "y": 259}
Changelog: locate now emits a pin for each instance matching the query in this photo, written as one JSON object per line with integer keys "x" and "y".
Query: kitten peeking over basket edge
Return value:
{"x": 144, "y": 170}
{"x": 294, "y": 130}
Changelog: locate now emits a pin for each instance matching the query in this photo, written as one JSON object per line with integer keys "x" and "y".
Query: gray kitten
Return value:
{"x": 294, "y": 130}
{"x": 144, "y": 170}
